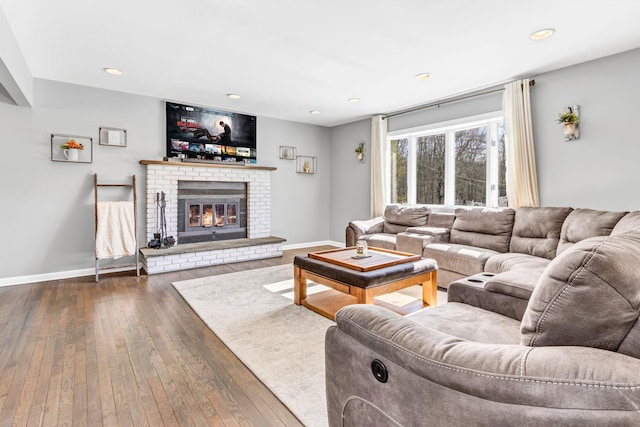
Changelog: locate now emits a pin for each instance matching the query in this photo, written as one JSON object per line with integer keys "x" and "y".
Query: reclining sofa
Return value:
{"x": 571, "y": 359}
{"x": 489, "y": 258}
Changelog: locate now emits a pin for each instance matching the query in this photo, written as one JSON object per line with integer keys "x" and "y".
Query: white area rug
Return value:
{"x": 253, "y": 313}
{"x": 282, "y": 343}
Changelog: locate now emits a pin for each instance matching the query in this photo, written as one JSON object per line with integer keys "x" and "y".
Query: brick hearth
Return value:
{"x": 164, "y": 176}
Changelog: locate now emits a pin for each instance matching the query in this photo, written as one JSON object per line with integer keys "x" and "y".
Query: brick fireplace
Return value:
{"x": 164, "y": 176}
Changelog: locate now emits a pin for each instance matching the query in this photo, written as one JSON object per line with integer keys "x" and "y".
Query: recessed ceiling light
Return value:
{"x": 113, "y": 71}
{"x": 233, "y": 95}
{"x": 314, "y": 112}
{"x": 542, "y": 34}
{"x": 354, "y": 100}
{"x": 423, "y": 76}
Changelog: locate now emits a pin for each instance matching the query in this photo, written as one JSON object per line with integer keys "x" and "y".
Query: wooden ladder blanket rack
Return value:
{"x": 96, "y": 187}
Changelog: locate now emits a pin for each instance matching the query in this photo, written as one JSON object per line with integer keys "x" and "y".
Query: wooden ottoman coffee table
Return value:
{"x": 360, "y": 280}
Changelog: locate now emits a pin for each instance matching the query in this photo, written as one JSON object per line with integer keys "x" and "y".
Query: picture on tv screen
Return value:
{"x": 203, "y": 133}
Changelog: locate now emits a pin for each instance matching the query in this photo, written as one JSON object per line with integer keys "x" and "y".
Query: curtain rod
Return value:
{"x": 448, "y": 101}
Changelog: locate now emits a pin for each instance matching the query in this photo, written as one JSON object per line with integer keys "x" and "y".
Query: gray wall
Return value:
{"x": 47, "y": 215}
{"x": 350, "y": 178}
{"x": 46, "y": 220}
{"x": 599, "y": 171}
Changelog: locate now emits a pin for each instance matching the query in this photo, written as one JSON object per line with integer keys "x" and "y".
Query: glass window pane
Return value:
{"x": 430, "y": 163}
{"x": 232, "y": 217}
{"x": 219, "y": 215}
{"x": 194, "y": 215}
{"x": 502, "y": 168}
{"x": 471, "y": 167}
{"x": 207, "y": 215}
{"x": 399, "y": 156}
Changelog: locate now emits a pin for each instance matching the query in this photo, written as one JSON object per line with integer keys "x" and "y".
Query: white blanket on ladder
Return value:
{"x": 115, "y": 234}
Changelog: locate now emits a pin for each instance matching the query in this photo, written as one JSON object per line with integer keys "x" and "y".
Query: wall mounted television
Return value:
{"x": 207, "y": 134}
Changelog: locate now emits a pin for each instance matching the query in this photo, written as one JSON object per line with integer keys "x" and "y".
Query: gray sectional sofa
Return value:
{"x": 570, "y": 358}
{"x": 490, "y": 258}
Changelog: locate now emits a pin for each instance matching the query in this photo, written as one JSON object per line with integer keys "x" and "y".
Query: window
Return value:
{"x": 399, "y": 157}
{"x": 459, "y": 163}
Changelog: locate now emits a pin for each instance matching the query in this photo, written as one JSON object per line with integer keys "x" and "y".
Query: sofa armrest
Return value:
{"x": 553, "y": 377}
{"x": 358, "y": 228}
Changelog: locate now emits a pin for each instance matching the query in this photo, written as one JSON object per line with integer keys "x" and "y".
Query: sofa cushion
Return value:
{"x": 411, "y": 216}
{"x": 630, "y": 221}
{"x": 440, "y": 220}
{"x": 391, "y": 228}
{"x": 518, "y": 283}
{"x": 380, "y": 240}
{"x": 484, "y": 228}
{"x": 466, "y": 260}
{"x": 510, "y": 261}
{"x": 536, "y": 231}
{"x": 584, "y": 223}
{"x": 588, "y": 296}
{"x": 470, "y": 323}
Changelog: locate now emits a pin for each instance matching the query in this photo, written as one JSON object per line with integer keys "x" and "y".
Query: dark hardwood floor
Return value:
{"x": 125, "y": 351}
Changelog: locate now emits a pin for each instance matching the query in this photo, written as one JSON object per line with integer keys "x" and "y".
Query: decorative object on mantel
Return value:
{"x": 287, "y": 153}
{"x": 570, "y": 119}
{"x": 360, "y": 152}
{"x": 113, "y": 137}
{"x": 306, "y": 164}
{"x": 71, "y": 148}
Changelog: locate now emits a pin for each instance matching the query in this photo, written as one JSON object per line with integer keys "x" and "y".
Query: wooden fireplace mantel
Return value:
{"x": 205, "y": 165}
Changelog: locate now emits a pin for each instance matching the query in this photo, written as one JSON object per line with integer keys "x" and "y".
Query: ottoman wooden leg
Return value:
{"x": 299, "y": 286}
{"x": 430, "y": 290}
{"x": 363, "y": 296}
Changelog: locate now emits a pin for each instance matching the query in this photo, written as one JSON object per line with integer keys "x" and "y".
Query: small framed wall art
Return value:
{"x": 113, "y": 137}
{"x": 287, "y": 153}
{"x": 71, "y": 148}
{"x": 306, "y": 164}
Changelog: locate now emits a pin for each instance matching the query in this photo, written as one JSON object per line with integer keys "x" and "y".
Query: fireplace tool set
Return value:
{"x": 160, "y": 238}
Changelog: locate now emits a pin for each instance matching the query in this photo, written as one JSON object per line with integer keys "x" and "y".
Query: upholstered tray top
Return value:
{"x": 365, "y": 279}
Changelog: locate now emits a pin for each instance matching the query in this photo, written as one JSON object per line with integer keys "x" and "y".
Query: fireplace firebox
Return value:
{"x": 211, "y": 211}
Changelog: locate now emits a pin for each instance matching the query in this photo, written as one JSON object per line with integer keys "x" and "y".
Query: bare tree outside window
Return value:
{"x": 502, "y": 168}
{"x": 430, "y": 158}
{"x": 471, "y": 167}
{"x": 399, "y": 158}
{"x": 449, "y": 164}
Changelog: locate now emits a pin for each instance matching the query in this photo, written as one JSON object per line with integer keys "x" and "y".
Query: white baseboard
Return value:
{"x": 59, "y": 275}
{"x": 310, "y": 244}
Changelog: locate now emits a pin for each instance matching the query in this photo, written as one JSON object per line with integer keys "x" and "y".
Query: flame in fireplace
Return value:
{"x": 207, "y": 217}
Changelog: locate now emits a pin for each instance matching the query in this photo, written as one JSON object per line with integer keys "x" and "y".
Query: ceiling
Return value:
{"x": 288, "y": 57}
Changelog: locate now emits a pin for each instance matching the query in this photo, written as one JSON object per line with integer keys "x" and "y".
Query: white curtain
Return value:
{"x": 522, "y": 180}
{"x": 379, "y": 179}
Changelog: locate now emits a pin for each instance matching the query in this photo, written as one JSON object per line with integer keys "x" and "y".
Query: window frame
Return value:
{"x": 491, "y": 120}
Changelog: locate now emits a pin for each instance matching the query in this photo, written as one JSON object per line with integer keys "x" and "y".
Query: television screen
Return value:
{"x": 203, "y": 133}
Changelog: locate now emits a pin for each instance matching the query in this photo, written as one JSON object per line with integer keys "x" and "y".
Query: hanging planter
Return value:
{"x": 569, "y": 120}
{"x": 359, "y": 150}
{"x": 569, "y": 128}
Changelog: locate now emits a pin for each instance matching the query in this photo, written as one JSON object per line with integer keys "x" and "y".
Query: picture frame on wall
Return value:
{"x": 113, "y": 137}
{"x": 287, "y": 152}
{"x": 71, "y": 148}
